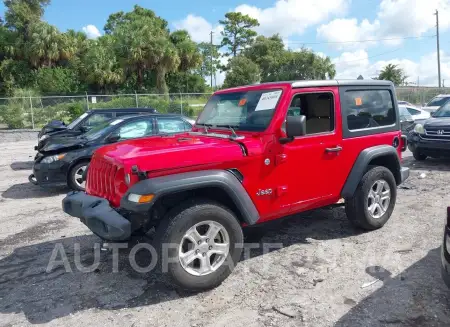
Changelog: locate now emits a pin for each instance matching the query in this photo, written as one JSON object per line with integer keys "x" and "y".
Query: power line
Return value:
{"x": 362, "y": 41}
{"x": 369, "y": 57}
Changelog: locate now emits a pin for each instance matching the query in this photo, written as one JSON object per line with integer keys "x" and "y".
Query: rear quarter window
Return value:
{"x": 368, "y": 109}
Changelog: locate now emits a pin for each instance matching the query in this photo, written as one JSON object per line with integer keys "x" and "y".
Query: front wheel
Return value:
{"x": 75, "y": 179}
{"x": 374, "y": 199}
{"x": 199, "y": 244}
{"x": 419, "y": 156}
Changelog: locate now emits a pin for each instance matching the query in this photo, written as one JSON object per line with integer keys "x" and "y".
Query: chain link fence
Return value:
{"x": 34, "y": 112}
{"x": 419, "y": 96}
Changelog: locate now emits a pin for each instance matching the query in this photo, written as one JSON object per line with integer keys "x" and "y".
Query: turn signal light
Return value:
{"x": 138, "y": 198}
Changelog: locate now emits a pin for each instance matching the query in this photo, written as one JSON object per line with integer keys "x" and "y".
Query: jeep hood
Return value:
{"x": 177, "y": 151}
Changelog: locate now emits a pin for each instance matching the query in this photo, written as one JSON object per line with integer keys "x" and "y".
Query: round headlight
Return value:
{"x": 127, "y": 179}
{"x": 419, "y": 129}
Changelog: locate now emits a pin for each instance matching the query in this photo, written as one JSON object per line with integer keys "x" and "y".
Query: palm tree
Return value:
{"x": 394, "y": 74}
{"x": 100, "y": 65}
{"x": 143, "y": 45}
{"x": 43, "y": 46}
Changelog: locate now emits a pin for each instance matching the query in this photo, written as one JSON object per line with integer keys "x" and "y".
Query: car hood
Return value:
{"x": 61, "y": 144}
{"x": 430, "y": 109}
{"x": 178, "y": 151}
{"x": 437, "y": 122}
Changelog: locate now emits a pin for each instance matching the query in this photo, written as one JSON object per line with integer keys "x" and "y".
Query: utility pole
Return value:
{"x": 438, "y": 51}
{"x": 211, "y": 53}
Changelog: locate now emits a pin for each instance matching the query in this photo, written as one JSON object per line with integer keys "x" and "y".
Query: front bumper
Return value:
{"x": 445, "y": 255}
{"x": 429, "y": 147}
{"x": 51, "y": 174}
{"x": 404, "y": 173}
{"x": 98, "y": 216}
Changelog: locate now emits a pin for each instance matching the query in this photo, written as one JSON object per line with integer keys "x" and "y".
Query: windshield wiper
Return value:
{"x": 232, "y": 129}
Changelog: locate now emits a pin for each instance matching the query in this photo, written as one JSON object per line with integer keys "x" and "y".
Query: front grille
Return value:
{"x": 437, "y": 133}
{"x": 101, "y": 177}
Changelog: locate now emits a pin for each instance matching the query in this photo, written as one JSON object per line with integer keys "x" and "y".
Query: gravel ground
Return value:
{"x": 326, "y": 273}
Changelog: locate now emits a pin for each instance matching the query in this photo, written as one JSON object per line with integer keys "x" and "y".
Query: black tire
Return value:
{"x": 172, "y": 230}
{"x": 419, "y": 156}
{"x": 356, "y": 207}
{"x": 71, "y": 176}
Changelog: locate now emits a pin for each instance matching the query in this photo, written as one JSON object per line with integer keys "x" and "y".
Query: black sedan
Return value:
{"x": 445, "y": 252}
{"x": 63, "y": 160}
{"x": 87, "y": 121}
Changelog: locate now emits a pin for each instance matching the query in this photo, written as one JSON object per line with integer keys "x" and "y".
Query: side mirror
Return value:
{"x": 295, "y": 126}
{"x": 113, "y": 138}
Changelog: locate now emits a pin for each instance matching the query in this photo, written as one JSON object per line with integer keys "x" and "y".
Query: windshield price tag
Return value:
{"x": 117, "y": 121}
{"x": 268, "y": 101}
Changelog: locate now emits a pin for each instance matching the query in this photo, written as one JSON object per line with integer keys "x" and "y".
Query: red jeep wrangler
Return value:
{"x": 256, "y": 153}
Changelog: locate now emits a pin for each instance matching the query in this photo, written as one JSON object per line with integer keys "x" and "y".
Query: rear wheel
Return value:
{"x": 75, "y": 179}
{"x": 199, "y": 244}
{"x": 419, "y": 156}
{"x": 374, "y": 199}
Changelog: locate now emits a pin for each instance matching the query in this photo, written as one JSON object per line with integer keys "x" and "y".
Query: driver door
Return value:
{"x": 311, "y": 162}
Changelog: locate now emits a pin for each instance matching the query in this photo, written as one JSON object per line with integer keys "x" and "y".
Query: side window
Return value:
{"x": 96, "y": 119}
{"x": 136, "y": 129}
{"x": 413, "y": 111}
{"x": 367, "y": 109}
{"x": 318, "y": 108}
{"x": 171, "y": 125}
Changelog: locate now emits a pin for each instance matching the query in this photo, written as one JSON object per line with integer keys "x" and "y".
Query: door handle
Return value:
{"x": 336, "y": 149}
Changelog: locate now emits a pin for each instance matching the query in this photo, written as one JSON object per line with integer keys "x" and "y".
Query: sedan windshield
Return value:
{"x": 247, "y": 111}
{"x": 101, "y": 130}
{"x": 76, "y": 121}
{"x": 443, "y": 111}
{"x": 438, "y": 101}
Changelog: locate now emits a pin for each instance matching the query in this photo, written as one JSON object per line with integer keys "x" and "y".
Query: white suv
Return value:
{"x": 436, "y": 102}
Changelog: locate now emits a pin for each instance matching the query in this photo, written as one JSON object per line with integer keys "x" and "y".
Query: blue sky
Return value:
{"x": 302, "y": 23}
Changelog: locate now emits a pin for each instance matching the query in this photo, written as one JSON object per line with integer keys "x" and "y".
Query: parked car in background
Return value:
{"x": 419, "y": 115}
{"x": 406, "y": 120}
{"x": 87, "y": 121}
{"x": 405, "y": 103}
{"x": 432, "y": 138}
{"x": 445, "y": 251}
{"x": 436, "y": 103}
{"x": 63, "y": 160}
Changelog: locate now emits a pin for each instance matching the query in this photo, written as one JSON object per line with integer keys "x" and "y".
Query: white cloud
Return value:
{"x": 199, "y": 28}
{"x": 292, "y": 17}
{"x": 342, "y": 30}
{"x": 349, "y": 65}
{"x": 395, "y": 19}
{"x": 91, "y": 31}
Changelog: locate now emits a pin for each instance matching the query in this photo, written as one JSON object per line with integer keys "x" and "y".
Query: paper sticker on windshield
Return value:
{"x": 116, "y": 121}
{"x": 358, "y": 101}
{"x": 242, "y": 102}
{"x": 268, "y": 101}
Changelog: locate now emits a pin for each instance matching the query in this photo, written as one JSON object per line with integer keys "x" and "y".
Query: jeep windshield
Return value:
{"x": 244, "y": 111}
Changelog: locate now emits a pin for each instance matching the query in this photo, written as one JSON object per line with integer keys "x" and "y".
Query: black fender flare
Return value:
{"x": 225, "y": 180}
{"x": 363, "y": 161}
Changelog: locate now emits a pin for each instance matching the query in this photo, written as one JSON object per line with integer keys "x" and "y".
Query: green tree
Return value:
{"x": 210, "y": 60}
{"x": 394, "y": 74}
{"x": 238, "y": 32}
{"x": 43, "y": 47}
{"x": 241, "y": 71}
{"x": 143, "y": 43}
{"x": 20, "y": 14}
{"x": 269, "y": 54}
{"x": 57, "y": 80}
{"x": 100, "y": 66}
{"x": 303, "y": 65}
{"x": 185, "y": 82}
